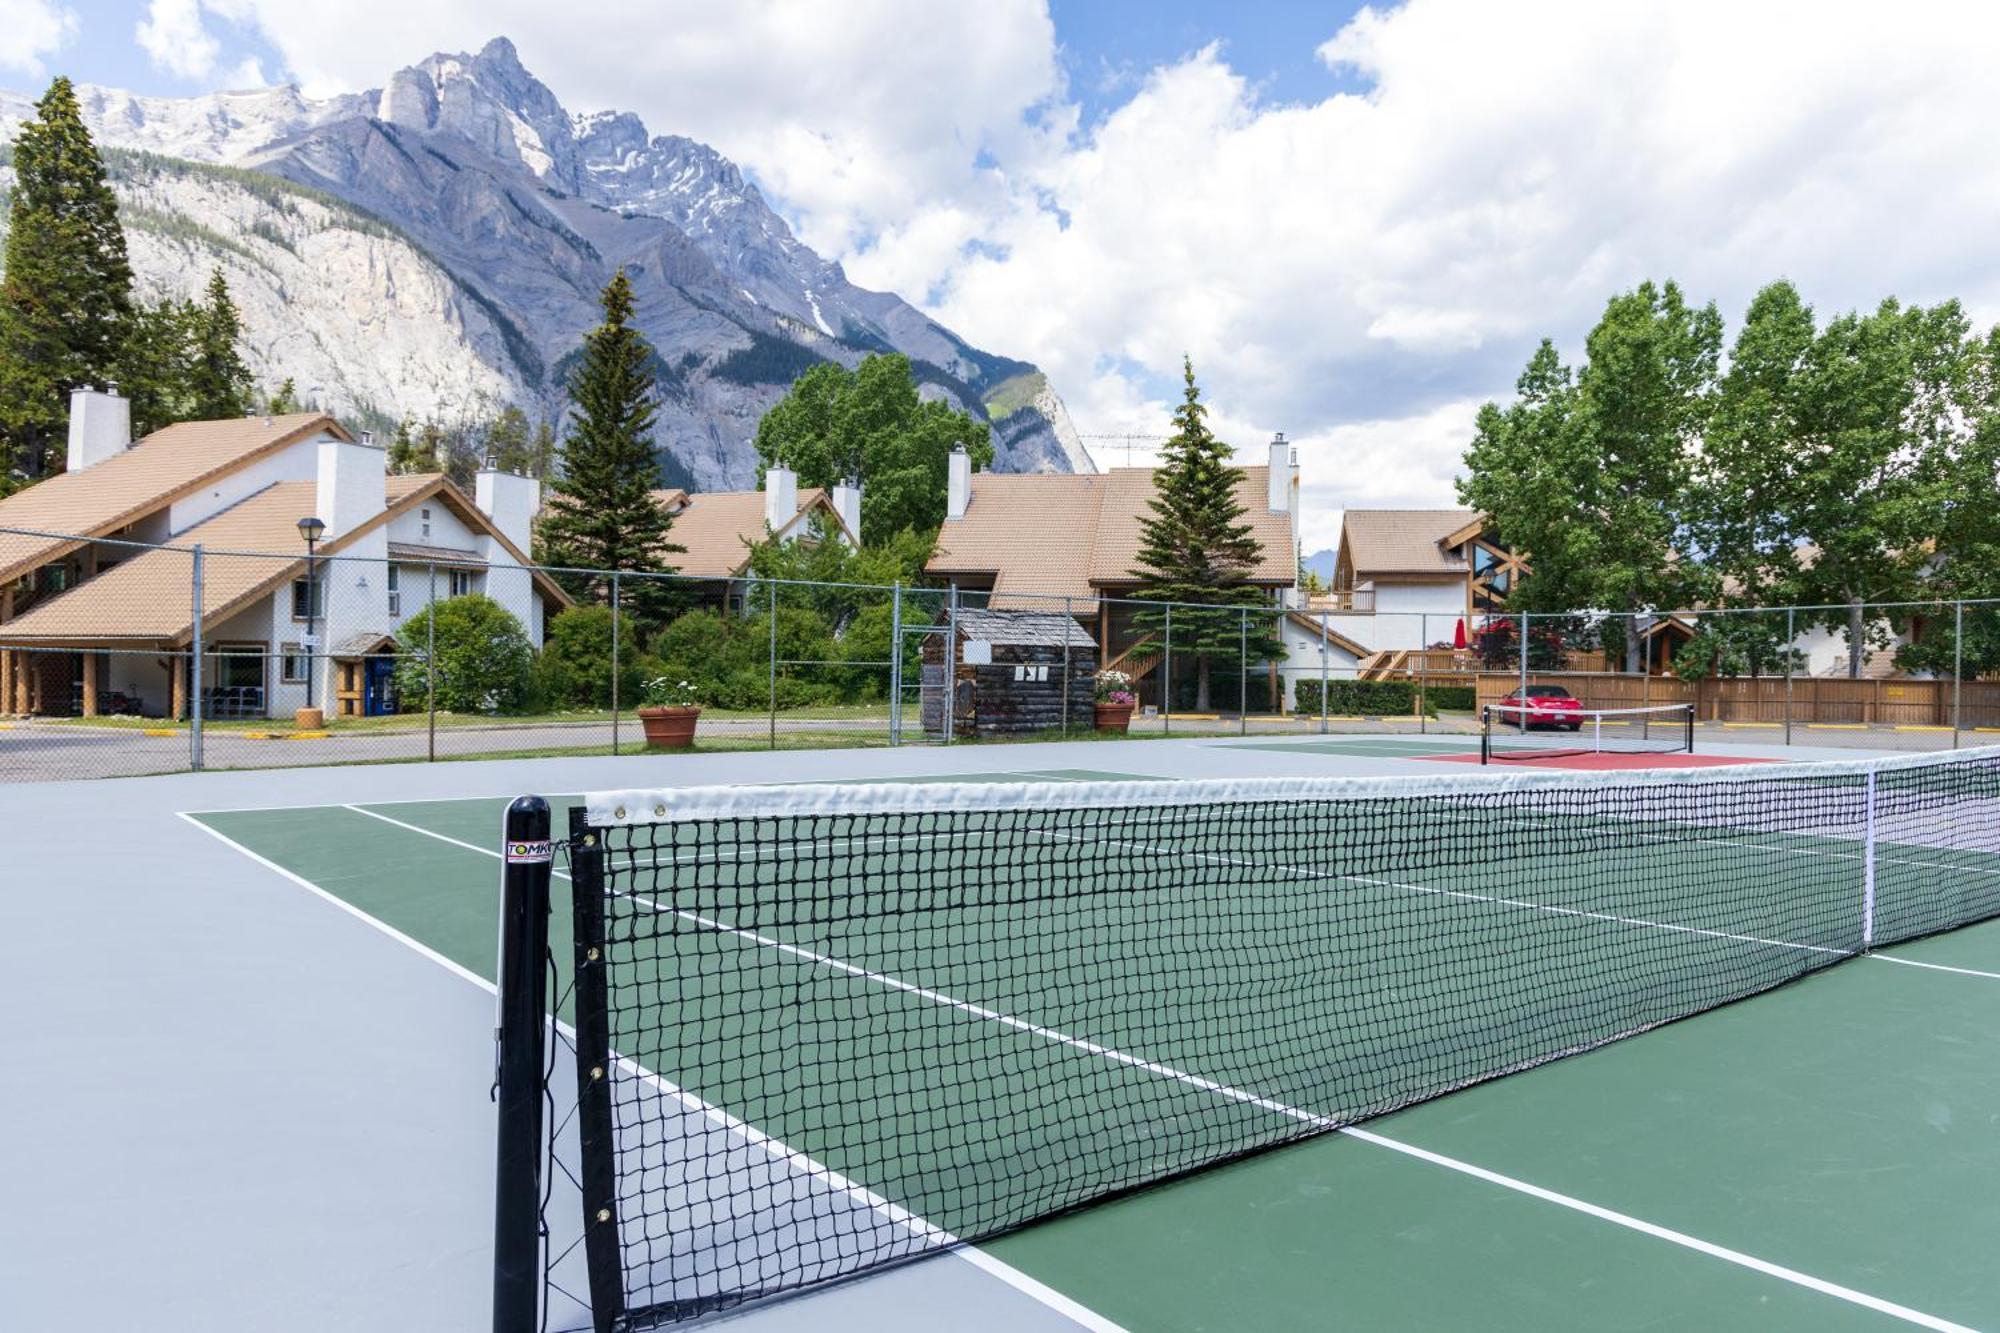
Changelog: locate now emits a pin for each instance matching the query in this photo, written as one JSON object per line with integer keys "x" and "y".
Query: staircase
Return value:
{"x": 1139, "y": 658}
{"x": 1389, "y": 664}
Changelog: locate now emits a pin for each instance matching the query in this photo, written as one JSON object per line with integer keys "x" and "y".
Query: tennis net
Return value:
{"x": 1542, "y": 730}
{"x": 822, "y": 1030}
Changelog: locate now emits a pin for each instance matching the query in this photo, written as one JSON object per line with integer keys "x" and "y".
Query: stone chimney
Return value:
{"x": 1284, "y": 474}
{"x": 100, "y": 425}
{"x": 958, "y": 493}
{"x": 781, "y": 497}
{"x": 510, "y": 501}
{"x": 847, "y": 503}
{"x": 353, "y": 485}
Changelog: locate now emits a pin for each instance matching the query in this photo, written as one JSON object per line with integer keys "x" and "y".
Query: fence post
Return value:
{"x": 1524, "y": 660}
{"x": 1957, "y": 665}
{"x": 617, "y": 634}
{"x": 774, "y": 664}
{"x": 518, "y": 1039}
{"x": 1167, "y": 677}
{"x": 1324, "y": 684}
{"x": 1791, "y": 614}
{"x": 431, "y": 665}
{"x": 950, "y": 683}
{"x": 1243, "y": 673}
{"x": 1069, "y": 618}
{"x": 1423, "y": 672}
{"x": 195, "y": 645}
{"x": 896, "y": 664}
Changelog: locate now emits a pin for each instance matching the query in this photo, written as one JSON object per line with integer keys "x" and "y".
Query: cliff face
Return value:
{"x": 456, "y": 227}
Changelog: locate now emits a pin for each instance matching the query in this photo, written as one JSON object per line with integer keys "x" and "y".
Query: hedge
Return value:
{"x": 1374, "y": 698}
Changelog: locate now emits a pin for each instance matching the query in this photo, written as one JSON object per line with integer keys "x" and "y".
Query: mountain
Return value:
{"x": 1320, "y": 563}
{"x": 449, "y": 232}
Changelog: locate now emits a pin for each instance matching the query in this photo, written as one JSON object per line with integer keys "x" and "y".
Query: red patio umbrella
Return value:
{"x": 1458, "y": 635}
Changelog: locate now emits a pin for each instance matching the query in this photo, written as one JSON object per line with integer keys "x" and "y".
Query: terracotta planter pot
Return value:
{"x": 1114, "y": 717}
{"x": 668, "y": 728}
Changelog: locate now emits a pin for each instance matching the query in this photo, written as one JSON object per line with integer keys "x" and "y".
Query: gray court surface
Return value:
{"x": 205, "y": 1132}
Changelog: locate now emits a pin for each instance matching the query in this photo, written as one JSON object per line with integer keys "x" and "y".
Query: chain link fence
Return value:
{"x": 123, "y": 658}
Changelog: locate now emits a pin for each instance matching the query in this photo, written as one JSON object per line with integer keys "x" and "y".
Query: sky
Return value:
{"x": 1358, "y": 222}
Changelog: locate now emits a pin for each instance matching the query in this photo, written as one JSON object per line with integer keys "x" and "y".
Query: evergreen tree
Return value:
{"x": 218, "y": 381}
{"x": 1196, "y": 548}
{"x": 602, "y": 515}
{"x": 285, "y": 401}
{"x": 403, "y": 452}
{"x": 154, "y": 370}
{"x": 66, "y": 297}
{"x": 512, "y": 445}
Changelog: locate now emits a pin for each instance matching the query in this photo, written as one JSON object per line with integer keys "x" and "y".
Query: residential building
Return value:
{"x": 717, "y": 529}
{"x": 108, "y": 608}
{"x": 1070, "y": 542}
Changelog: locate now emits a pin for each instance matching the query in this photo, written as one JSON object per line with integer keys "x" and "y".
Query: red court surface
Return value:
{"x": 1598, "y": 762}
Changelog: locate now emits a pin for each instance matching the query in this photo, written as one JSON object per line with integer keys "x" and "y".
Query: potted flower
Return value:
{"x": 667, "y": 710}
{"x": 1115, "y": 701}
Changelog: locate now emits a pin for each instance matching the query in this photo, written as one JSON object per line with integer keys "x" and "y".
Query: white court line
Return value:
{"x": 1724, "y": 1253}
{"x": 1934, "y": 967}
{"x": 805, "y": 1165}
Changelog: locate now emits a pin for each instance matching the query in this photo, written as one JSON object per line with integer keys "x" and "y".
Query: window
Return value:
{"x": 461, "y": 582}
{"x": 395, "y": 591}
{"x": 300, "y": 603}
{"x": 237, "y": 666}
{"x": 425, "y": 516}
{"x": 292, "y": 668}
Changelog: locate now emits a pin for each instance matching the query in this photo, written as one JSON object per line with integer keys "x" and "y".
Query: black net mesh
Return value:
{"x": 833, "y": 1038}
{"x": 1540, "y": 729}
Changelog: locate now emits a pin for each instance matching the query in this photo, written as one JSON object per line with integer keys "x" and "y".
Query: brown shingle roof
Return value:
{"x": 147, "y": 598}
{"x": 1401, "y": 541}
{"x": 152, "y": 474}
{"x": 719, "y": 527}
{"x": 1072, "y": 535}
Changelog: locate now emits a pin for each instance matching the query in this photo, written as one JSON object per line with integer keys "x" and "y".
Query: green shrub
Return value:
{"x": 485, "y": 663}
{"x": 728, "y": 658}
{"x": 1455, "y": 698}
{"x": 575, "y": 667}
{"x": 1370, "y": 698}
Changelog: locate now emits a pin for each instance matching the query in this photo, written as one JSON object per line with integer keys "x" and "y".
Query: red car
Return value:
{"x": 1544, "y": 706}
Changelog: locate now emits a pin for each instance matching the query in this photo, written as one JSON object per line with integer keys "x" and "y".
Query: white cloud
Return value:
{"x": 176, "y": 39}
{"x": 1358, "y": 270}
{"x": 31, "y": 30}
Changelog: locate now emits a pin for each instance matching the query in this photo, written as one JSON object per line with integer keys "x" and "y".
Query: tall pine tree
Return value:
{"x": 66, "y": 296}
{"x": 602, "y": 515}
{"x": 1196, "y": 548}
{"x": 219, "y": 383}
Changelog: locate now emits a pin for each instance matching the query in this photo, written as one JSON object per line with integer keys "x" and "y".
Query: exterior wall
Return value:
{"x": 1303, "y": 654}
{"x": 145, "y": 676}
{"x": 295, "y": 462}
{"x": 1447, "y": 599}
{"x": 504, "y": 580}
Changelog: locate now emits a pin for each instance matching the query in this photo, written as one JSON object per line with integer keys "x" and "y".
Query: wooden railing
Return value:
{"x": 1360, "y": 601}
{"x": 1139, "y": 658}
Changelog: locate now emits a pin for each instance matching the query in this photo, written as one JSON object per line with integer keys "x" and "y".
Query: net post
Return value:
{"x": 1868, "y": 865}
{"x": 617, "y": 626}
{"x": 517, "y": 1065}
{"x": 596, "y": 1133}
{"x": 896, "y": 664}
{"x": 1687, "y": 741}
{"x": 1486, "y": 733}
{"x": 194, "y": 671}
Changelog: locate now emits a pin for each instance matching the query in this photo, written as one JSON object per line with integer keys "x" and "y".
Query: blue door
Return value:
{"x": 378, "y": 686}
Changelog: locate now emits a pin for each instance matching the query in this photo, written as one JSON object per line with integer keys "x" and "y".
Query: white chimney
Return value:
{"x": 958, "y": 494}
{"x": 510, "y": 501}
{"x": 781, "y": 497}
{"x": 353, "y": 485}
{"x": 1282, "y": 474}
{"x": 100, "y": 425}
{"x": 847, "y": 503}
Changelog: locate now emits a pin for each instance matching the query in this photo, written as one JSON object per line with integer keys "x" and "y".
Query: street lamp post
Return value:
{"x": 311, "y": 529}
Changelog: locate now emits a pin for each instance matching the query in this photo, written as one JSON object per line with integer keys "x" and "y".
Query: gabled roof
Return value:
{"x": 1023, "y": 629}
{"x": 158, "y": 470}
{"x": 1376, "y": 542}
{"x": 1077, "y": 534}
{"x": 251, "y": 549}
{"x": 718, "y": 528}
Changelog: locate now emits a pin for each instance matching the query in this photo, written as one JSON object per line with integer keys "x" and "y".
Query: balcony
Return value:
{"x": 1353, "y": 601}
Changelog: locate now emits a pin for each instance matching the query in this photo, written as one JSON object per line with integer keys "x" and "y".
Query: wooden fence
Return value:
{"x": 1903, "y": 703}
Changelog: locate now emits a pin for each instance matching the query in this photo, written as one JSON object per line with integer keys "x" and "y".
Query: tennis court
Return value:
{"x": 1823, "y": 1156}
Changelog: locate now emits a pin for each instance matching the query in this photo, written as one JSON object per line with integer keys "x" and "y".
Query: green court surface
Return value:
{"x": 1826, "y": 1155}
